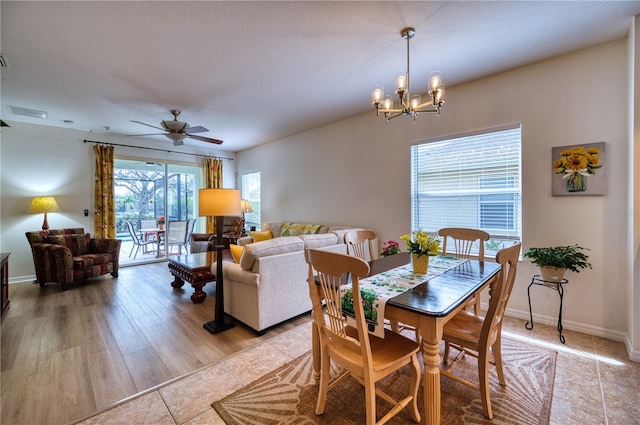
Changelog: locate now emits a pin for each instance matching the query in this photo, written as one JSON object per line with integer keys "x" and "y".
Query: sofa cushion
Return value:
{"x": 273, "y": 246}
{"x": 319, "y": 240}
{"x": 261, "y": 236}
{"x": 81, "y": 262}
{"x": 236, "y": 252}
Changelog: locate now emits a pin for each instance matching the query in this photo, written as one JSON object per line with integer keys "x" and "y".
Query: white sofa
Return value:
{"x": 269, "y": 284}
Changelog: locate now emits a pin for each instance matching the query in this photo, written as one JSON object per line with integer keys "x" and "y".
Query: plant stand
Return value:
{"x": 537, "y": 280}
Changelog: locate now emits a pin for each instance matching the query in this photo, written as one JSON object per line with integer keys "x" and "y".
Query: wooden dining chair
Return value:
{"x": 360, "y": 244}
{"x": 458, "y": 242}
{"x": 476, "y": 335}
{"x": 365, "y": 357}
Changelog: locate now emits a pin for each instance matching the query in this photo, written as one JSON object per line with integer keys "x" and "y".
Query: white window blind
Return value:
{"x": 470, "y": 180}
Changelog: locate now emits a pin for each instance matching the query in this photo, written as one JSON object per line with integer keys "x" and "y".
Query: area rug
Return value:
{"x": 288, "y": 395}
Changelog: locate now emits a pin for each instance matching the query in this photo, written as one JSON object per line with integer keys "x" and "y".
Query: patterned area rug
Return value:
{"x": 288, "y": 395}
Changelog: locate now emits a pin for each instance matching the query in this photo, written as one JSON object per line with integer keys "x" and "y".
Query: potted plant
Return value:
{"x": 421, "y": 245}
{"x": 554, "y": 261}
{"x": 390, "y": 248}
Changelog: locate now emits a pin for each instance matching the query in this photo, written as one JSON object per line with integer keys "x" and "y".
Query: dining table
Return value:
{"x": 428, "y": 306}
{"x": 154, "y": 233}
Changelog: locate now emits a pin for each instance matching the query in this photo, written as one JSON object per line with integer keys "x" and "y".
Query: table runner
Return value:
{"x": 377, "y": 289}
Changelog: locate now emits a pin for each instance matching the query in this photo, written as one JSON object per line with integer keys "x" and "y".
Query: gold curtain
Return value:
{"x": 104, "y": 216}
{"x": 213, "y": 180}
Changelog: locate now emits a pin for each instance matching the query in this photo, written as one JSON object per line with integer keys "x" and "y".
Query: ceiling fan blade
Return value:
{"x": 196, "y": 129}
{"x": 205, "y": 139}
{"x": 148, "y": 125}
{"x": 150, "y": 134}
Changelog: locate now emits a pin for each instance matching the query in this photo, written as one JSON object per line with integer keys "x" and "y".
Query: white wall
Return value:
{"x": 41, "y": 160}
{"x": 356, "y": 172}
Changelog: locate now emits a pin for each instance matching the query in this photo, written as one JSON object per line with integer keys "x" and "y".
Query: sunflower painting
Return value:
{"x": 578, "y": 170}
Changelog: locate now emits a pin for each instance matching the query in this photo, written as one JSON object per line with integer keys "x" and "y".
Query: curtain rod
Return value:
{"x": 156, "y": 149}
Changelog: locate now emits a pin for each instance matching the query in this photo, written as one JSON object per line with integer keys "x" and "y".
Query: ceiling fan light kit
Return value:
{"x": 177, "y": 131}
{"x": 409, "y": 105}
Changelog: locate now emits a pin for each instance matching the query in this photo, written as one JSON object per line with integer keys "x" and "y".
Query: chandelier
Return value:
{"x": 407, "y": 104}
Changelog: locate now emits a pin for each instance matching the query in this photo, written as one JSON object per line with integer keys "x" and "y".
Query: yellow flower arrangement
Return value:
{"x": 578, "y": 160}
{"x": 422, "y": 243}
{"x": 576, "y": 164}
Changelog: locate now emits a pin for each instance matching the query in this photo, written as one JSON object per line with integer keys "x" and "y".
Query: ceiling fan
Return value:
{"x": 177, "y": 131}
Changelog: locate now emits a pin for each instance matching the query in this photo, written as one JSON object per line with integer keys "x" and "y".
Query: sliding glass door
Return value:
{"x": 149, "y": 196}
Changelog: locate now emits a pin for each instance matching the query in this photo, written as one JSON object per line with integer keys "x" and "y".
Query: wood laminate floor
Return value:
{"x": 67, "y": 354}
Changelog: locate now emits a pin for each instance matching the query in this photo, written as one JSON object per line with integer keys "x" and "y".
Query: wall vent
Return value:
{"x": 26, "y": 112}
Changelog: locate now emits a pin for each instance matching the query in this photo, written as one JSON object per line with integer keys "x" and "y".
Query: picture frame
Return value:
{"x": 578, "y": 170}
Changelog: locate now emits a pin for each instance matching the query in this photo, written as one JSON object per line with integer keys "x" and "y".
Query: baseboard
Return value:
{"x": 570, "y": 325}
{"x": 22, "y": 279}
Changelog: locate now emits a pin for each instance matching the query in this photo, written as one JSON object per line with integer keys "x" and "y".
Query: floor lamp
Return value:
{"x": 219, "y": 203}
{"x": 245, "y": 207}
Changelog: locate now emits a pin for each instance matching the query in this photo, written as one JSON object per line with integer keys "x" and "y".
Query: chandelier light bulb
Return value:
{"x": 401, "y": 82}
{"x": 436, "y": 81}
{"x": 388, "y": 103}
{"x": 377, "y": 95}
{"x": 415, "y": 101}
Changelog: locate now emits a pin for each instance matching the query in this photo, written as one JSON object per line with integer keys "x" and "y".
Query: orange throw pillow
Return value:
{"x": 236, "y": 252}
{"x": 261, "y": 236}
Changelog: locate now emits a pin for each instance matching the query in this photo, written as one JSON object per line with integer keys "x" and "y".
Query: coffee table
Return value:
{"x": 195, "y": 269}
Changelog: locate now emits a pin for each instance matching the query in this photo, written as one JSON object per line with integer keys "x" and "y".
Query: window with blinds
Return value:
{"x": 470, "y": 180}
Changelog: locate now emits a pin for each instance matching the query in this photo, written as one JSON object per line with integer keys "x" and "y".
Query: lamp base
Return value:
{"x": 215, "y": 327}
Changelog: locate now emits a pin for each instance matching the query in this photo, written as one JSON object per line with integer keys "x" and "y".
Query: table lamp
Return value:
{"x": 219, "y": 203}
{"x": 43, "y": 204}
{"x": 245, "y": 207}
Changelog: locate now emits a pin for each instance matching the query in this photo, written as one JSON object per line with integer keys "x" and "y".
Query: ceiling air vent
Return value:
{"x": 26, "y": 112}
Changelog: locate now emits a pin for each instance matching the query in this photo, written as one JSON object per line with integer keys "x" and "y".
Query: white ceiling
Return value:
{"x": 252, "y": 72}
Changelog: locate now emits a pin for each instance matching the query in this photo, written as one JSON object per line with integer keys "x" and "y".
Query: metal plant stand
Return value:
{"x": 557, "y": 286}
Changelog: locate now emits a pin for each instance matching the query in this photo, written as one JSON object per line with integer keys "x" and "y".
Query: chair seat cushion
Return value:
{"x": 81, "y": 262}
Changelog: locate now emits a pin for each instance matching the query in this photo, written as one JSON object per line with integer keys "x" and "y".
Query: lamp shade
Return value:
{"x": 245, "y": 206}
{"x": 218, "y": 202}
{"x": 43, "y": 204}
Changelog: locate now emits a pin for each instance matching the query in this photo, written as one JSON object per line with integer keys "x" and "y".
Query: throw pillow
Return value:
{"x": 292, "y": 229}
{"x": 55, "y": 239}
{"x": 261, "y": 236}
{"x": 236, "y": 252}
{"x": 78, "y": 244}
{"x": 311, "y": 229}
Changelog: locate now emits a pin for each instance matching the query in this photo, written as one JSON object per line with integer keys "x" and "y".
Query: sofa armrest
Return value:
{"x": 244, "y": 240}
{"x": 53, "y": 263}
{"x": 196, "y": 237}
{"x": 233, "y": 271}
{"x": 107, "y": 246}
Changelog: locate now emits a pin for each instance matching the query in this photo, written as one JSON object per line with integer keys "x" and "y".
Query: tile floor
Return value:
{"x": 595, "y": 383}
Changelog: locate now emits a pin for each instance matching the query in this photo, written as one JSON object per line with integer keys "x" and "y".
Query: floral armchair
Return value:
{"x": 71, "y": 255}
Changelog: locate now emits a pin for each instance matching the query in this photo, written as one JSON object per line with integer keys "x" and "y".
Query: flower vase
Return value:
{"x": 576, "y": 182}
{"x": 420, "y": 263}
{"x": 161, "y": 226}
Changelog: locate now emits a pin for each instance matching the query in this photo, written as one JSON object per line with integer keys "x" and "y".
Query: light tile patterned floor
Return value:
{"x": 595, "y": 383}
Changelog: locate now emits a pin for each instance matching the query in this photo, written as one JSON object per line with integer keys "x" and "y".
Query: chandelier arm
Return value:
{"x": 399, "y": 113}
